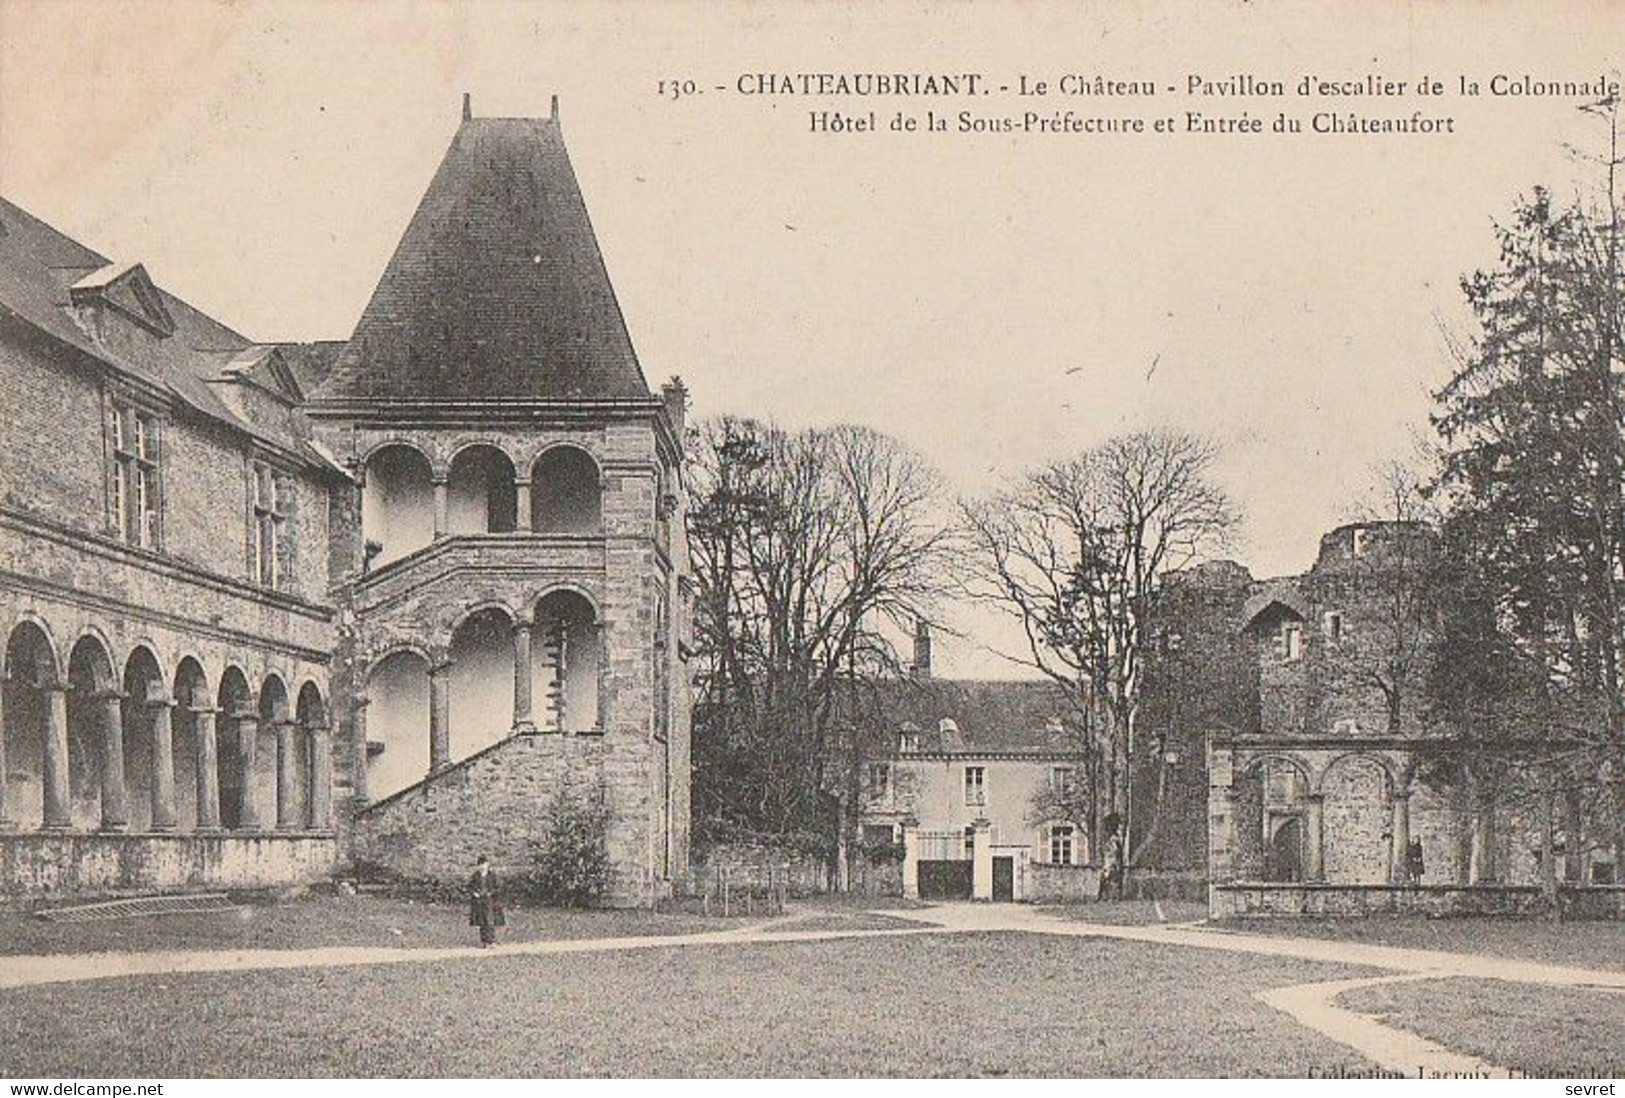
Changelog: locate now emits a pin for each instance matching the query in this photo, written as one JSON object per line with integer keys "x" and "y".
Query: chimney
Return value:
{"x": 922, "y": 649}
{"x": 675, "y": 394}
{"x": 555, "y": 110}
{"x": 468, "y": 107}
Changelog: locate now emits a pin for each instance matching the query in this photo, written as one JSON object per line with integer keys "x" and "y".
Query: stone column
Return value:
{"x": 522, "y": 721}
{"x": 439, "y": 716}
{"x": 208, "y": 763}
{"x": 321, "y": 777}
{"x": 1400, "y": 829}
{"x": 522, "y": 503}
{"x": 358, "y": 737}
{"x": 911, "y": 863}
{"x": 6, "y": 823}
{"x": 1314, "y": 869}
{"x": 442, "y": 508}
{"x": 287, "y": 776}
{"x": 248, "y": 733}
{"x": 159, "y": 706}
{"x": 982, "y": 861}
{"x": 58, "y": 804}
{"x": 115, "y": 798}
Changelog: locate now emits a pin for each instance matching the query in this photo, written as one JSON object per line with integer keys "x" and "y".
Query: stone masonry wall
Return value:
{"x": 495, "y": 803}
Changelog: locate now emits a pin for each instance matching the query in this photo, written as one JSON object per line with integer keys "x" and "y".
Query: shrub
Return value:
{"x": 570, "y": 865}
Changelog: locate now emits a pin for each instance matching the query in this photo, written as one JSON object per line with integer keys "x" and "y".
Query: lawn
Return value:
{"x": 1585, "y": 944}
{"x": 328, "y": 920}
{"x": 1540, "y": 1031}
{"x": 928, "y": 1005}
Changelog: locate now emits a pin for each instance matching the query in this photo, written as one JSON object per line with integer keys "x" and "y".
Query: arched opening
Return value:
{"x": 1284, "y": 861}
{"x": 316, "y": 762}
{"x": 273, "y": 712}
{"x": 1271, "y": 799}
{"x": 29, "y": 669}
{"x": 481, "y": 497}
{"x": 236, "y": 734}
{"x": 1359, "y": 837}
{"x": 397, "y": 723}
{"x": 191, "y": 699}
{"x": 566, "y": 657}
{"x": 481, "y": 682}
{"x": 566, "y": 493}
{"x": 143, "y": 685}
{"x": 397, "y": 504}
{"x": 95, "y": 722}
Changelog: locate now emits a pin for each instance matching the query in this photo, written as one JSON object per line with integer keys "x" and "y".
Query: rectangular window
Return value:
{"x": 908, "y": 741}
{"x": 134, "y": 435}
{"x": 880, "y": 780}
{"x": 1334, "y": 624}
{"x": 1292, "y": 640}
{"x": 1060, "y": 844}
{"x": 975, "y": 785}
{"x": 1359, "y": 540}
{"x": 1061, "y": 779}
{"x": 266, "y": 534}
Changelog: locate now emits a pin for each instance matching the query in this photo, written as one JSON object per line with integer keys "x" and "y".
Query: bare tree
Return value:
{"x": 1075, "y": 551}
{"x": 812, "y": 549}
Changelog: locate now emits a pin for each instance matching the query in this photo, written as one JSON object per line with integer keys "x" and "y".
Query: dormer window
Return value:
{"x": 908, "y": 740}
{"x": 134, "y": 446}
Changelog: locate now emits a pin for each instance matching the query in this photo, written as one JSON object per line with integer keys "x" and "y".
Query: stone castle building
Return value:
{"x": 1328, "y": 786}
{"x": 275, "y": 609}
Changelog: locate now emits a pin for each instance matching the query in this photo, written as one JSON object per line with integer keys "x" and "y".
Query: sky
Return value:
{"x": 994, "y": 300}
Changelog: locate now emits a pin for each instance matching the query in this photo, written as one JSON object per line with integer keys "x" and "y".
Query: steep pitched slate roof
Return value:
{"x": 989, "y": 716}
{"x": 45, "y": 276}
{"x": 497, "y": 291}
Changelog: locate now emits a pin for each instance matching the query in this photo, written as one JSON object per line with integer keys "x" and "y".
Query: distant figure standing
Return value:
{"x": 485, "y": 902}
{"x": 1413, "y": 862}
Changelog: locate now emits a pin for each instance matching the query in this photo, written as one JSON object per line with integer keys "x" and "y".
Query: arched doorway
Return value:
{"x": 1284, "y": 859}
{"x": 271, "y": 745}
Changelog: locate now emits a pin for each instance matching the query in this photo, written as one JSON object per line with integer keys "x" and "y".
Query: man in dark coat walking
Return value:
{"x": 485, "y": 902}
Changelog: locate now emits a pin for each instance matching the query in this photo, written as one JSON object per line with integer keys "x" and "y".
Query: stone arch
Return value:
{"x": 270, "y": 748}
{"x": 237, "y": 736}
{"x": 95, "y": 736}
{"x": 397, "y": 719}
{"x": 566, "y": 587}
{"x": 146, "y": 760}
{"x": 567, "y": 661}
{"x": 482, "y": 494}
{"x": 313, "y": 760}
{"x": 1357, "y": 792}
{"x": 566, "y": 491}
{"x": 1271, "y": 808}
{"x": 481, "y": 686}
{"x": 30, "y": 685}
{"x": 397, "y": 500}
{"x": 193, "y": 722}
